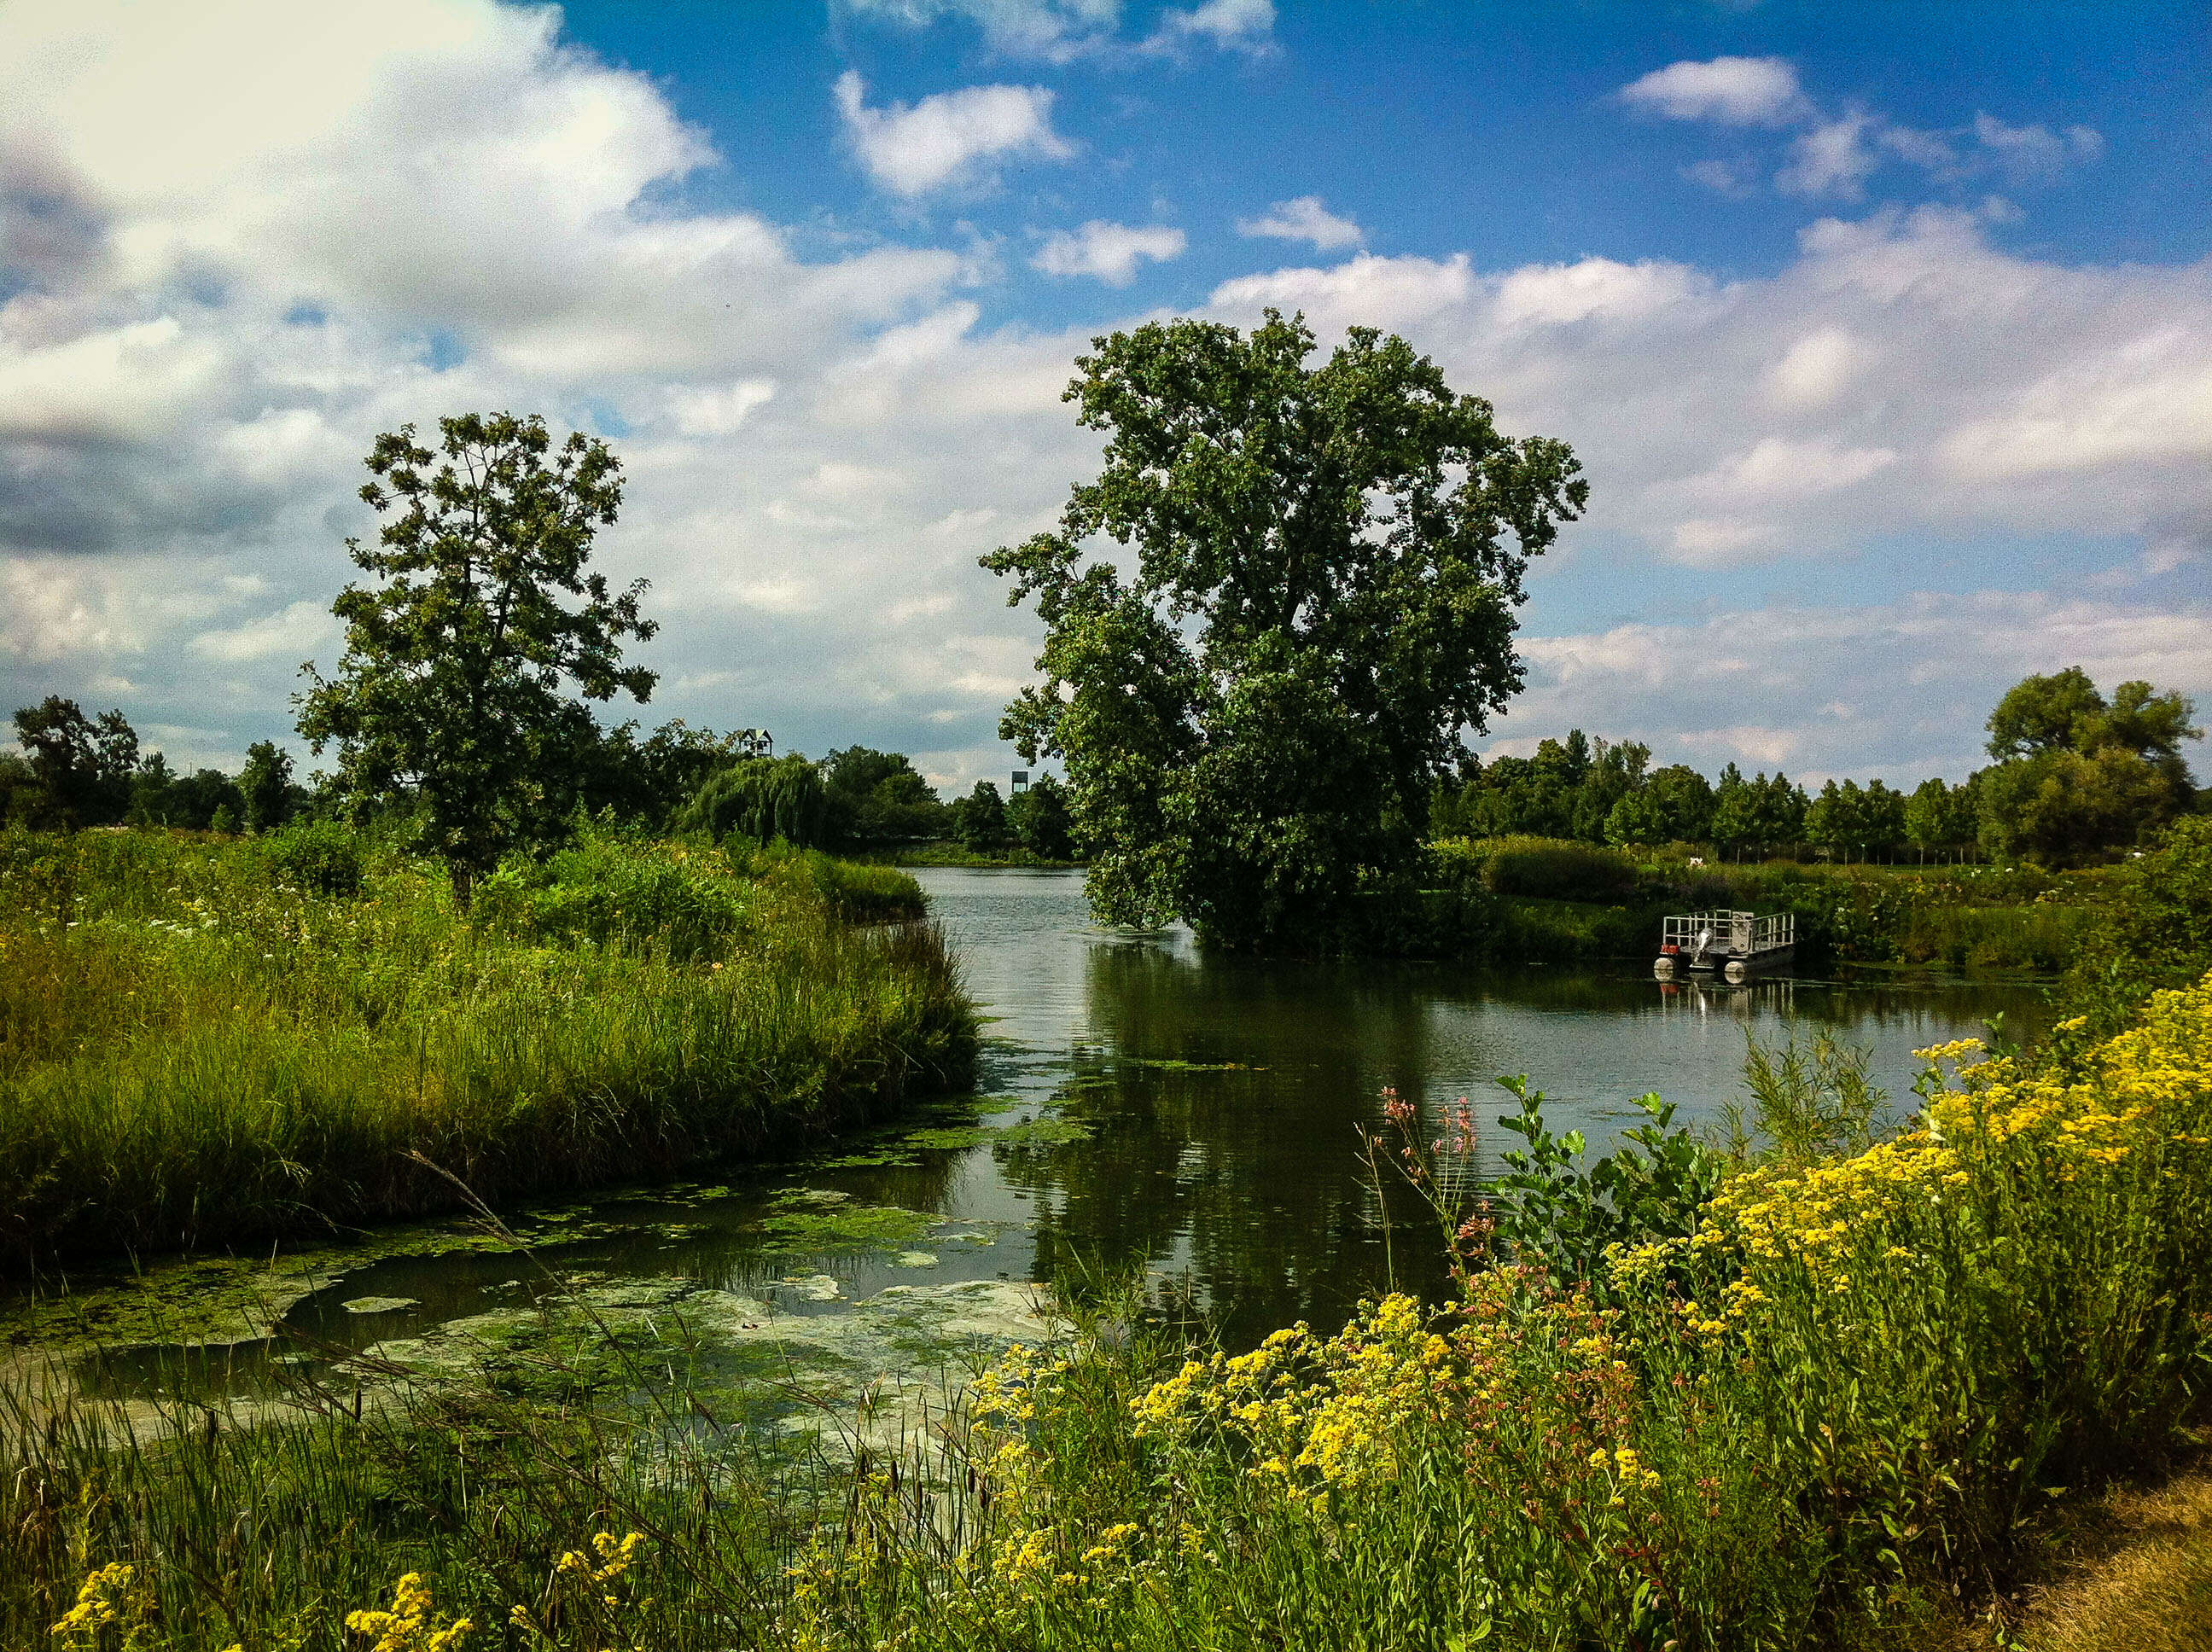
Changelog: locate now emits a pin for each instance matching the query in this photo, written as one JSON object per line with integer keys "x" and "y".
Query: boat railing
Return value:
{"x": 1727, "y": 933}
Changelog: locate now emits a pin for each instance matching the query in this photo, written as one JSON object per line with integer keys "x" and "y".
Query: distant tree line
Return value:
{"x": 79, "y": 771}
{"x": 2076, "y": 776}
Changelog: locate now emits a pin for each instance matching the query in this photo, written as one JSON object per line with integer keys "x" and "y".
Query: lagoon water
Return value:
{"x": 1226, "y": 1095}
{"x": 1200, "y": 1120}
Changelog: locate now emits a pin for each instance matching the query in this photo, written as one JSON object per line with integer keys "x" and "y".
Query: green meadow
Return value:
{"x": 209, "y": 1041}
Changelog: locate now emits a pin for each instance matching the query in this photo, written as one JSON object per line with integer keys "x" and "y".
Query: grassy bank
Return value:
{"x": 1537, "y": 900}
{"x": 205, "y": 1041}
{"x": 951, "y": 853}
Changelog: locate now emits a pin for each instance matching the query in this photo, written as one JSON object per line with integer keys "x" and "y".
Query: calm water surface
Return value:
{"x": 1221, "y": 1097}
{"x": 1245, "y": 1182}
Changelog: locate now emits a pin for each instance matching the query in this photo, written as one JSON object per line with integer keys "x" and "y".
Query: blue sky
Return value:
{"x": 1884, "y": 333}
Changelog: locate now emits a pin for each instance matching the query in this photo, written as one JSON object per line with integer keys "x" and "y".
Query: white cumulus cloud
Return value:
{"x": 1110, "y": 252}
{"x": 1057, "y": 31}
{"x": 948, "y": 137}
{"x": 2036, "y": 151}
{"x": 1232, "y": 24}
{"x": 1901, "y": 377}
{"x": 1736, "y": 91}
{"x": 1304, "y": 219}
{"x": 1835, "y": 153}
{"x": 1070, "y": 31}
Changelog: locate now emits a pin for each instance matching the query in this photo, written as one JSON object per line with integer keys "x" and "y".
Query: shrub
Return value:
{"x": 191, "y": 1052}
{"x": 323, "y": 856}
{"x": 2155, "y": 929}
{"x": 1546, "y": 868}
{"x": 667, "y": 900}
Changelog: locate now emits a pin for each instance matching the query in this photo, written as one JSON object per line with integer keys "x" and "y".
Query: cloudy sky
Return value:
{"x": 1885, "y": 334}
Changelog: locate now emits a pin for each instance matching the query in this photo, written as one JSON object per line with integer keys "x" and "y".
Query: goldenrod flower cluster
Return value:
{"x": 592, "y": 1580}
{"x": 108, "y": 1597}
{"x": 409, "y": 1626}
{"x": 2140, "y": 1109}
{"x": 1321, "y": 1411}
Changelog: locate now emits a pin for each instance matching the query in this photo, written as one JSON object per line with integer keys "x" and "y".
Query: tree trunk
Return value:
{"x": 465, "y": 882}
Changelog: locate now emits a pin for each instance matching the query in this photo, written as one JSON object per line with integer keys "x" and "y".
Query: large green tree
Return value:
{"x": 1313, "y": 604}
{"x": 2078, "y": 776}
{"x": 467, "y": 663}
{"x": 878, "y": 797}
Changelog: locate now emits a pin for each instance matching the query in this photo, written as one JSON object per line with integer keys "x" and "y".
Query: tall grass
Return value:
{"x": 200, "y": 1535}
{"x": 194, "y": 1051}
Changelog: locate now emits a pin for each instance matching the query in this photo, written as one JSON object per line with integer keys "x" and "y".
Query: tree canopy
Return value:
{"x": 878, "y": 798}
{"x": 80, "y": 767}
{"x": 467, "y": 665}
{"x": 2078, "y": 775}
{"x": 1251, "y": 710}
{"x": 763, "y": 799}
{"x": 1038, "y": 819}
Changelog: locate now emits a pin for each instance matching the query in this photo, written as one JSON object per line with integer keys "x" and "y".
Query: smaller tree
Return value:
{"x": 20, "y": 797}
{"x": 196, "y": 800}
{"x": 1614, "y": 770}
{"x": 763, "y": 799}
{"x": 265, "y": 783}
{"x": 1831, "y": 820}
{"x": 648, "y": 781}
{"x": 151, "y": 803}
{"x": 462, "y": 687}
{"x": 1781, "y": 811}
{"x": 979, "y": 818}
{"x": 1939, "y": 815}
{"x": 1040, "y": 821}
{"x": 1735, "y": 800}
{"x": 1685, "y": 801}
{"x": 1882, "y": 817}
{"x": 81, "y": 766}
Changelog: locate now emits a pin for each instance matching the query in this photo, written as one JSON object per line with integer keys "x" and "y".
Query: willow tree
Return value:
{"x": 1312, "y": 608}
{"x": 467, "y": 663}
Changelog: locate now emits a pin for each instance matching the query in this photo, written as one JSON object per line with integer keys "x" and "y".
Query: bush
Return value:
{"x": 2154, "y": 930}
{"x": 323, "y": 857}
{"x": 605, "y": 894}
{"x": 1546, "y": 868}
